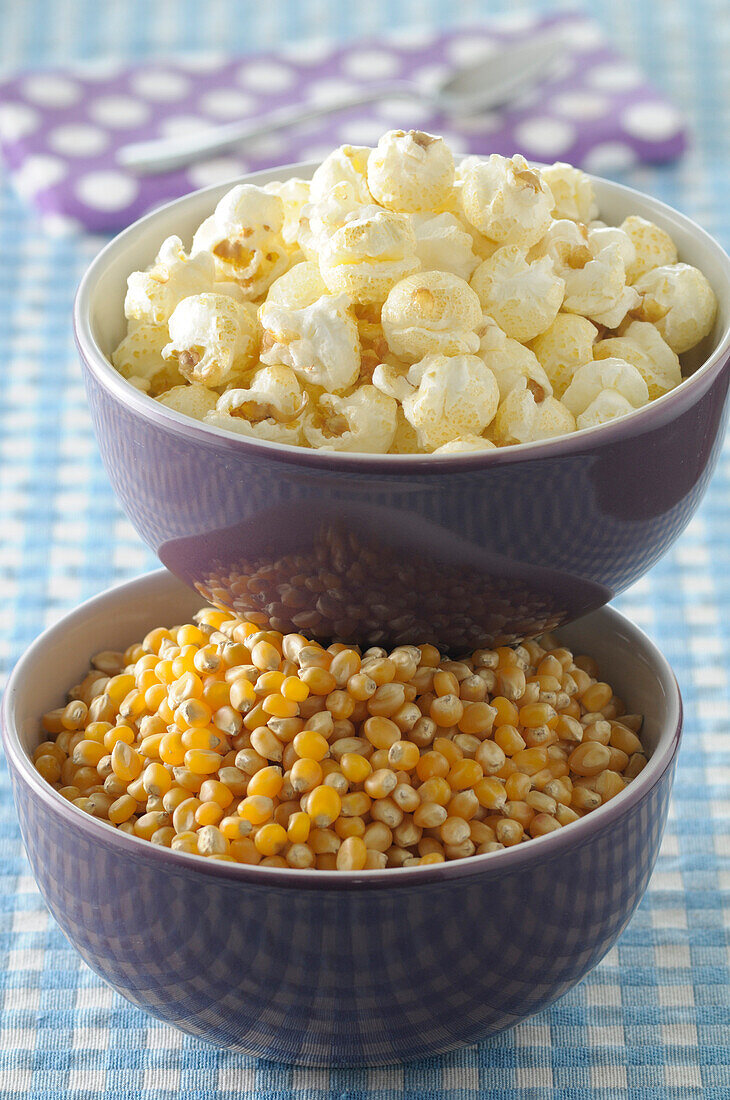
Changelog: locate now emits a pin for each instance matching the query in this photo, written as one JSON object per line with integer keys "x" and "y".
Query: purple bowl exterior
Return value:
{"x": 518, "y": 544}
{"x": 346, "y": 973}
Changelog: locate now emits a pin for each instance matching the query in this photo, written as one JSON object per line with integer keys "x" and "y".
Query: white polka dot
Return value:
{"x": 182, "y": 125}
{"x": 315, "y": 153}
{"x": 580, "y": 105}
{"x": 202, "y": 62}
{"x": 61, "y": 225}
{"x": 50, "y": 90}
{"x": 17, "y": 120}
{"x": 549, "y": 137}
{"x": 119, "y": 111}
{"x": 360, "y": 131}
{"x": 431, "y": 76}
{"x": 312, "y": 51}
{"x": 324, "y": 92}
{"x": 266, "y": 76}
{"x": 227, "y": 103}
{"x": 455, "y": 141}
{"x": 99, "y": 68}
{"x": 209, "y": 172}
{"x": 481, "y": 124}
{"x": 38, "y": 173}
{"x": 107, "y": 190}
{"x": 78, "y": 140}
{"x": 516, "y": 21}
{"x": 614, "y": 77}
{"x": 470, "y": 51}
{"x": 159, "y": 84}
{"x": 412, "y": 38}
{"x": 370, "y": 64}
{"x": 610, "y": 156}
{"x": 582, "y": 35}
{"x": 406, "y": 114}
{"x": 651, "y": 121}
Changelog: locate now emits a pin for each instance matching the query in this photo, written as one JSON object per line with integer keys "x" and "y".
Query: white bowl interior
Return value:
{"x": 123, "y": 615}
{"x": 136, "y": 249}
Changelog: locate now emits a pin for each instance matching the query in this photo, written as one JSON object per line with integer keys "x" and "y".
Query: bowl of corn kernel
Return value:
{"x": 341, "y": 855}
{"x": 478, "y": 381}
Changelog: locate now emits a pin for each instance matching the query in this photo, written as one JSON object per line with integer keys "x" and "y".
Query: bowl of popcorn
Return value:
{"x": 343, "y": 855}
{"x": 395, "y": 395}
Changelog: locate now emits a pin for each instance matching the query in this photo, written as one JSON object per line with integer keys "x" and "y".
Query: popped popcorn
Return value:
{"x": 369, "y": 254}
{"x": 269, "y": 409}
{"x": 411, "y": 171}
{"x": 212, "y": 338}
{"x": 398, "y": 303}
{"x": 363, "y": 421}
{"x": 319, "y": 342}
{"x": 652, "y": 246}
{"x": 678, "y": 299}
{"x": 642, "y": 345}
{"x": 563, "y": 347}
{"x": 430, "y": 312}
{"x": 244, "y": 236}
{"x": 507, "y": 200}
{"x": 522, "y": 296}
{"x": 455, "y": 396}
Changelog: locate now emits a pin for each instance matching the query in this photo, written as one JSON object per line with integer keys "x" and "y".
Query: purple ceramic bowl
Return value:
{"x": 324, "y": 967}
{"x": 461, "y": 551}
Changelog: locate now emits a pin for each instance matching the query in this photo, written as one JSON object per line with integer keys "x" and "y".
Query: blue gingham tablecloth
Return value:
{"x": 653, "y": 1020}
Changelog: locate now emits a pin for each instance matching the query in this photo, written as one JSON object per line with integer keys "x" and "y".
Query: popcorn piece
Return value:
{"x": 456, "y": 396}
{"x": 245, "y": 236}
{"x": 642, "y": 345}
{"x": 139, "y": 356}
{"x": 348, "y": 164}
{"x": 526, "y": 417}
{"x": 405, "y": 440}
{"x": 593, "y": 380}
{"x": 573, "y": 192}
{"x": 411, "y": 171}
{"x": 152, "y": 295}
{"x": 193, "y": 400}
{"x": 678, "y": 299}
{"x": 609, "y": 405}
{"x": 294, "y": 194}
{"x": 270, "y": 409}
{"x": 369, "y": 254}
{"x": 591, "y": 262}
{"x": 466, "y": 444}
{"x": 652, "y": 247}
{"x": 364, "y": 421}
{"x": 507, "y": 201}
{"x": 564, "y": 347}
{"x": 318, "y": 221}
{"x": 509, "y": 361}
{"x": 212, "y": 338}
{"x": 298, "y": 287}
{"x": 522, "y": 296}
{"x": 431, "y": 312}
{"x": 390, "y": 381}
{"x": 319, "y": 342}
{"x": 444, "y": 244}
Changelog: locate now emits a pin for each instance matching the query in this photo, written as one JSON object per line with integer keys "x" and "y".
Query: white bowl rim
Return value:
{"x": 140, "y": 403}
{"x": 505, "y": 860}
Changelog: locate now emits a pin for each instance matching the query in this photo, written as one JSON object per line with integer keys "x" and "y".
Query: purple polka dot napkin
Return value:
{"x": 60, "y": 130}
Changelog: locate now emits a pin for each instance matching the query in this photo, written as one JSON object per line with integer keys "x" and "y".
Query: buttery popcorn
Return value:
{"x": 399, "y": 303}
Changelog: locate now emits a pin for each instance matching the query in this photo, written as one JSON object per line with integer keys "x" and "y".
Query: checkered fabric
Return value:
{"x": 653, "y": 1020}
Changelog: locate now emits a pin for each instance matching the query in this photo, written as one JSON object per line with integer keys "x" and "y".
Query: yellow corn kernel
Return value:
{"x": 150, "y": 746}
{"x": 305, "y": 775}
{"x": 189, "y": 634}
{"x": 87, "y": 754}
{"x": 208, "y": 813}
{"x": 183, "y": 816}
{"x": 200, "y": 738}
{"x": 609, "y": 784}
{"x": 212, "y": 790}
{"x": 172, "y": 750}
{"x": 323, "y": 806}
{"x": 202, "y": 761}
{"x": 174, "y": 797}
{"x": 311, "y": 745}
{"x": 149, "y": 823}
{"x": 356, "y": 768}
{"x": 126, "y": 762}
{"x": 279, "y": 707}
{"x": 217, "y": 694}
{"x": 122, "y": 809}
{"x": 119, "y": 687}
{"x": 235, "y": 828}
{"x": 464, "y": 774}
{"x": 298, "y": 827}
{"x": 300, "y": 856}
{"x": 270, "y": 839}
{"x": 267, "y": 782}
{"x": 265, "y": 656}
{"x": 256, "y": 808}
{"x": 403, "y": 756}
{"x": 381, "y": 783}
{"x": 596, "y": 697}
{"x": 589, "y": 758}
{"x": 530, "y": 761}
{"x": 352, "y": 854}
{"x": 156, "y": 780}
{"x": 116, "y": 733}
{"x": 294, "y": 689}
{"x": 49, "y": 767}
{"x": 211, "y": 841}
{"x": 432, "y": 764}
{"x": 354, "y": 804}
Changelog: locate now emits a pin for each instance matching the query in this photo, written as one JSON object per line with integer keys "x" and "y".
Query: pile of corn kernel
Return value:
{"x": 401, "y": 303}
{"x": 223, "y": 740}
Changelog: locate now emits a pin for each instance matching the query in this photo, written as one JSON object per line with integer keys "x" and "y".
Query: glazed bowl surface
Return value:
{"x": 458, "y": 550}
{"x": 323, "y": 967}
